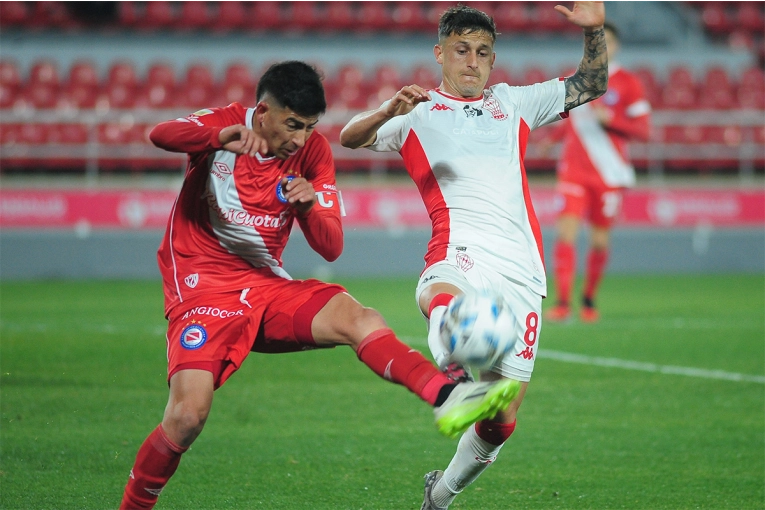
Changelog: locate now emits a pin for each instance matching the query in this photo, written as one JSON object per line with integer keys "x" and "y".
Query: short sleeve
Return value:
{"x": 541, "y": 103}
{"x": 392, "y": 134}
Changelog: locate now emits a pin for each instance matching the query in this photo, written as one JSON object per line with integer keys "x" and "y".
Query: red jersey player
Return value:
{"x": 593, "y": 171}
{"x": 463, "y": 145}
{"x": 252, "y": 173}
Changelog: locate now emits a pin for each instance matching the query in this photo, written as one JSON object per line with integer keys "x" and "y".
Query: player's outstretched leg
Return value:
{"x": 471, "y": 402}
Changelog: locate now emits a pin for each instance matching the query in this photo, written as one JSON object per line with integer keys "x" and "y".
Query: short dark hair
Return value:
{"x": 294, "y": 85}
{"x": 612, "y": 28}
{"x": 462, "y": 19}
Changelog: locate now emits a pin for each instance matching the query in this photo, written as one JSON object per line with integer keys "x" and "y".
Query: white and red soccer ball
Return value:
{"x": 478, "y": 329}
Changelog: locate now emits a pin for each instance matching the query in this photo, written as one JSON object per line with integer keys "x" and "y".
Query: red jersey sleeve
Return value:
{"x": 197, "y": 132}
{"x": 631, "y": 116}
{"x": 322, "y": 225}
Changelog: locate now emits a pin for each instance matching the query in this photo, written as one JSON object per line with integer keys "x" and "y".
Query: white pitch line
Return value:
{"x": 569, "y": 357}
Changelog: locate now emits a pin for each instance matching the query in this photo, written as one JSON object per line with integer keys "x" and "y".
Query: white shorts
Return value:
{"x": 525, "y": 304}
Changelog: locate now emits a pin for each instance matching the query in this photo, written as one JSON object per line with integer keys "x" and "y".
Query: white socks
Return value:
{"x": 473, "y": 456}
{"x": 437, "y": 349}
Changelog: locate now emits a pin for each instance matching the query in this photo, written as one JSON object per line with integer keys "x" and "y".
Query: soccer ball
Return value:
{"x": 477, "y": 329}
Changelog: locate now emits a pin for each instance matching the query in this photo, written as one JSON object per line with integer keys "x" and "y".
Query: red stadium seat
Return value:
{"x": 548, "y": 19}
{"x": 409, "y": 16}
{"x": 83, "y": 73}
{"x": 122, "y": 73}
{"x": 374, "y": 15}
{"x": 683, "y": 134}
{"x": 68, "y": 133}
{"x": 41, "y": 96}
{"x": 339, "y": 16}
{"x": 159, "y": 14}
{"x": 303, "y": 15}
{"x": 8, "y": 96}
{"x": 199, "y": 74}
{"x": 34, "y": 134}
{"x": 499, "y": 75}
{"x": 715, "y": 18}
{"x": 350, "y": 75}
{"x": 238, "y": 73}
{"x": 194, "y": 96}
{"x": 14, "y": 14}
{"x": 194, "y": 15}
{"x": 114, "y": 133}
{"x": 731, "y": 136}
{"x": 44, "y": 72}
{"x": 9, "y": 133}
{"x": 156, "y": 95}
{"x": 160, "y": 73}
{"x": 387, "y": 74}
{"x": 433, "y": 12}
{"x": 127, "y": 14}
{"x": 265, "y": 15}
{"x": 678, "y": 97}
{"x": 9, "y": 74}
{"x": 118, "y": 96}
{"x": 749, "y": 16}
{"x": 536, "y": 75}
{"x": 236, "y": 93}
{"x": 51, "y": 14}
{"x": 716, "y": 90}
{"x": 512, "y": 17}
{"x": 78, "y": 96}
{"x": 425, "y": 76}
{"x": 231, "y": 16}
{"x": 651, "y": 86}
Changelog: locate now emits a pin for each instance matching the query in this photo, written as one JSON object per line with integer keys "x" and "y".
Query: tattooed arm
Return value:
{"x": 591, "y": 78}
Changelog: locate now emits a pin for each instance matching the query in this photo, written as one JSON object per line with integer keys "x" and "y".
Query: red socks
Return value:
{"x": 155, "y": 463}
{"x": 395, "y": 361}
{"x": 442, "y": 299}
{"x": 596, "y": 265}
{"x": 565, "y": 270}
{"x": 494, "y": 432}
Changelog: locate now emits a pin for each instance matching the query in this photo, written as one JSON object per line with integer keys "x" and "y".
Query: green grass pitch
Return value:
{"x": 83, "y": 382}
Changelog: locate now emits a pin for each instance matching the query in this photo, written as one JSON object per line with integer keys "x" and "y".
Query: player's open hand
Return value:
{"x": 239, "y": 139}
{"x": 406, "y": 99}
{"x": 299, "y": 193}
{"x": 585, "y": 14}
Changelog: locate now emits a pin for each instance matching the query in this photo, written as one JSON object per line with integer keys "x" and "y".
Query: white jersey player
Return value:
{"x": 463, "y": 145}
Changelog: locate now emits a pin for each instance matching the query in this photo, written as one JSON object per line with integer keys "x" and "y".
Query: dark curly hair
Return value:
{"x": 463, "y": 19}
{"x": 294, "y": 85}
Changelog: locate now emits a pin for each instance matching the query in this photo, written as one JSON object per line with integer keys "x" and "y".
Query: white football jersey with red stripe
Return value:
{"x": 592, "y": 152}
{"x": 466, "y": 158}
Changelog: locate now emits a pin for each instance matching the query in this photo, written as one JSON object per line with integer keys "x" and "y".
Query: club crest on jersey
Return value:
{"x": 193, "y": 336}
{"x": 611, "y": 97}
{"x": 464, "y": 261}
{"x": 202, "y": 113}
{"x": 280, "y": 190}
{"x": 493, "y": 106}
{"x": 471, "y": 111}
{"x": 191, "y": 280}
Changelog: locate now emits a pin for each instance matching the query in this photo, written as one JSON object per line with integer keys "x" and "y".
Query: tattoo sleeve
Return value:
{"x": 591, "y": 78}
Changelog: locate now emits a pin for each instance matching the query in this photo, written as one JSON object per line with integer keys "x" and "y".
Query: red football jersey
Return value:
{"x": 231, "y": 222}
{"x": 594, "y": 152}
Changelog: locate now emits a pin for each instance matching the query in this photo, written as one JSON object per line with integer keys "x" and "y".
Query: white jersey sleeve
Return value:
{"x": 392, "y": 135}
{"x": 538, "y": 104}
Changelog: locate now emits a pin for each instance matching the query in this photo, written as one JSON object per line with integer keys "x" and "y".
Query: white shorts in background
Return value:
{"x": 525, "y": 305}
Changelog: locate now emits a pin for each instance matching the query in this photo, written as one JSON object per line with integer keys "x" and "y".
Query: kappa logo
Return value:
{"x": 387, "y": 374}
{"x": 526, "y": 353}
{"x": 155, "y": 492}
{"x": 464, "y": 261}
{"x": 440, "y": 107}
{"x": 191, "y": 280}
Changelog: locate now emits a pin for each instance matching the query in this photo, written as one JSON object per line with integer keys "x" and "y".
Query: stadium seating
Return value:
{"x": 164, "y": 87}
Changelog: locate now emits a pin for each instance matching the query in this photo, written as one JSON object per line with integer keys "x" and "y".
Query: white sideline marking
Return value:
{"x": 569, "y": 357}
{"x": 648, "y": 367}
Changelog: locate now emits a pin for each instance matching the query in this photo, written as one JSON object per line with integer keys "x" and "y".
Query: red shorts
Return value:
{"x": 597, "y": 203}
{"x": 216, "y": 332}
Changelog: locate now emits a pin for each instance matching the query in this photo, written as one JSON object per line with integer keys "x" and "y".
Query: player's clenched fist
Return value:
{"x": 299, "y": 193}
{"x": 406, "y": 99}
{"x": 239, "y": 139}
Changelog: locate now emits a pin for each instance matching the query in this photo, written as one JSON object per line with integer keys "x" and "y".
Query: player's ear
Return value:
{"x": 438, "y": 53}
{"x": 261, "y": 109}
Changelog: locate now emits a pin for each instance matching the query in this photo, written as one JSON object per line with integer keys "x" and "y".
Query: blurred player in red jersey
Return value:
{"x": 463, "y": 144}
{"x": 252, "y": 173}
{"x": 593, "y": 171}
